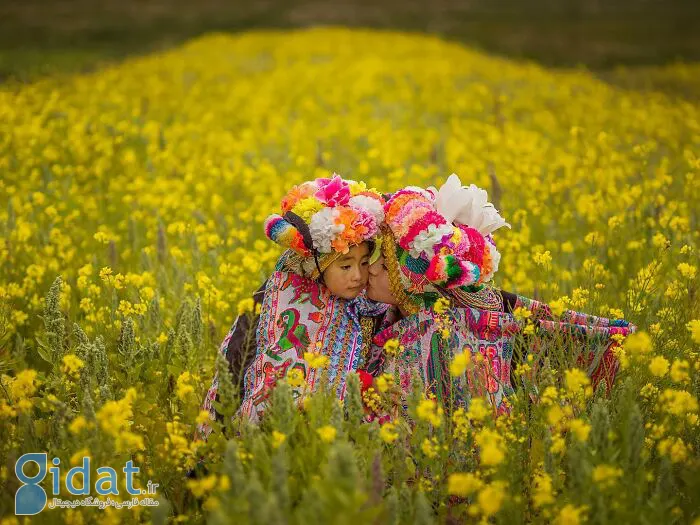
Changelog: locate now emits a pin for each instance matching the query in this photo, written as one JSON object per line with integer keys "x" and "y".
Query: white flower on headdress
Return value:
{"x": 468, "y": 206}
{"x": 426, "y": 240}
{"x": 370, "y": 205}
{"x": 496, "y": 258}
{"x": 324, "y": 229}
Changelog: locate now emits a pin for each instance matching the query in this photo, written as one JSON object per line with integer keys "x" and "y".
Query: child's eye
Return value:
{"x": 347, "y": 267}
{"x": 385, "y": 268}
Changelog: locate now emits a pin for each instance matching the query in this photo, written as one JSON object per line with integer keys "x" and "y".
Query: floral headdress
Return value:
{"x": 443, "y": 237}
{"x": 325, "y": 217}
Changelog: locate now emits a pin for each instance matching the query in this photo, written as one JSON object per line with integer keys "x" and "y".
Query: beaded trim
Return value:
{"x": 486, "y": 299}
{"x": 367, "y": 324}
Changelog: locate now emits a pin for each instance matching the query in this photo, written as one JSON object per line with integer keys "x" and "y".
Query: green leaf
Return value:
{"x": 43, "y": 351}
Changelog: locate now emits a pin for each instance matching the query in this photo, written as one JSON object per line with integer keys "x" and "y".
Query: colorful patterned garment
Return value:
{"x": 438, "y": 244}
{"x": 492, "y": 334}
{"x": 300, "y": 315}
{"x": 591, "y": 336}
{"x": 425, "y": 350}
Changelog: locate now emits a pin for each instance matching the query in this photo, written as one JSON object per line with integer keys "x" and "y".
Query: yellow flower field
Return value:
{"x": 132, "y": 202}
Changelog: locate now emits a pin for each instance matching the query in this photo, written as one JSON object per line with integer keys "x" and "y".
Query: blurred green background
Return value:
{"x": 40, "y": 37}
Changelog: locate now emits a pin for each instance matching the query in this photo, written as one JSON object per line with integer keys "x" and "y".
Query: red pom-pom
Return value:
{"x": 366, "y": 380}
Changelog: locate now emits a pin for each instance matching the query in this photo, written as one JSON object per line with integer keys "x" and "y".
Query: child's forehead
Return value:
{"x": 355, "y": 252}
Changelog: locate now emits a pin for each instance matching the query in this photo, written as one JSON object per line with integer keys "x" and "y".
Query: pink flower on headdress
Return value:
{"x": 475, "y": 253}
{"x": 333, "y": 192}
{"x": 366, "y": 222}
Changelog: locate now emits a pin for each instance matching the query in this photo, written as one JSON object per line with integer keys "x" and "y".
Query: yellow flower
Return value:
{"x": 687, "y": 270}
{"x": 521, "y": 313}
{"x": 576, "y": 381}
{"x": 316, "y": 360}
{"x": 306, "y": 207}
{"x": 205, "y": 485}
{"x": 327, "y": 433}
{"x": 24, "y": 384}
{"x": 295, "y": 378}
{"x": 558, "y": 445}
{"x": 106, "y": 273}
{"x": 680, "y": 371}
{"x": 391, "y": 347}
{"x": 245, "y": 306}
{"x": 384, "y": 382}
{"x": 202, "y": 417}
{"x": 387, "y": 433}
{"x": 183, "y": 387}
{"x": 430, "y": 447}
{"x": 638, "y": 344}
{"x": 459, "y": 363}
{"x": 491, "y": 447}
{"x": 616, "y": 313}
{"x": 543, "y": 493}
{"x": 678, "y": 402}
{"x": 461, "y": 424}
{"x": 659, "y": 240}
{"x": 441, "y": 306}
{"x": 658, "y": 366}
{"x": 278, "y": 438}
{"x": 674, "y": 448}
{"x": 542, "y": 258}
{"x": 694, "y": 329}
{"x": 478, "y": 409}
{"x": 463, "y": 485}
{"x": 557, "y": 307}
{"x": 428, "y": 410}
{"x": 78, "y": 424}
{"x": 114, "y": 418}
{"x": 549, "y": 395}
{"x": 570, "y": 515}
{"x": 71, "y": 365}
{"x": 580, "y": 429}
{"x": 606, "y": 476}
{"x": 490, "y": 498}
{"x": 555, "y": 415}
{"x": 19, "y": 317}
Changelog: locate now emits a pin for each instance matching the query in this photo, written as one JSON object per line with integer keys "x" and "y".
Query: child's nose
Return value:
{"x": 356, "y": 274}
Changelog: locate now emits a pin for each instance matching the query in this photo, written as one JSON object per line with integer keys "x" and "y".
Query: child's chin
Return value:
{"x": 351, "y": 294}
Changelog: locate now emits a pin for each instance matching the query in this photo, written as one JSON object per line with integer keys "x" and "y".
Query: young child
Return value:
{"x": 314, "y": 315}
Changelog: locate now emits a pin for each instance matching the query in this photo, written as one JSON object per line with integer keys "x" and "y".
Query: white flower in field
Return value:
{"x": 467, "y": 205}
{"x": 324, "y": 229}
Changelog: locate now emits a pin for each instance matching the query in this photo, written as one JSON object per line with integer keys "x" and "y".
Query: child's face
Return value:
{"x": 347, "y": 276}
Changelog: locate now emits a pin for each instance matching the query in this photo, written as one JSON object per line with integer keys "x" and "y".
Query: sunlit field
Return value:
{"x": 132, "y": 203}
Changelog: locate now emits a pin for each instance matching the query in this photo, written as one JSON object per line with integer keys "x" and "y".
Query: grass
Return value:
{"x": 39, "y": 37}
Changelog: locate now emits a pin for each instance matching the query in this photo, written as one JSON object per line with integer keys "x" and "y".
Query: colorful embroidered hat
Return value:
{"x": 326, "y": 216}
{"x": 443, "y": 237}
